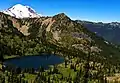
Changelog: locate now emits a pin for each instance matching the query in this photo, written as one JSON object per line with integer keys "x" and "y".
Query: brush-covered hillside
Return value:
{"x": 31, "y": 35}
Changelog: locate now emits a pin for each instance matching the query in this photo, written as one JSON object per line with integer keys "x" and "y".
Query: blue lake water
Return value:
{"x": 34, "y": 61}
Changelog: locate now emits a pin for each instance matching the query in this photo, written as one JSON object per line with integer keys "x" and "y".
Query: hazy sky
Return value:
{"x": 91, "y": 10}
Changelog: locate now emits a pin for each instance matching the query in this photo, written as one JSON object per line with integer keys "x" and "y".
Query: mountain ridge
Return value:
{"x": 109, "y": 31}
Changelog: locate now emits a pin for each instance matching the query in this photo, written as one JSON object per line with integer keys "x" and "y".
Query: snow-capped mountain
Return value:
{"x": 21, "y": 11}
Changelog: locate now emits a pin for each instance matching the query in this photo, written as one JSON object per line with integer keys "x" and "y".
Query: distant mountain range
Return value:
{"x": 109, "y": 31}
{"x": 21, "y": 11}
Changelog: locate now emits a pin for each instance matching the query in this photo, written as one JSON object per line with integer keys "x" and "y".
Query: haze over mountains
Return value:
{"x": 109, "y": 31}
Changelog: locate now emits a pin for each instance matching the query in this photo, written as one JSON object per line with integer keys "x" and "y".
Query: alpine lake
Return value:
{"x": 35, "y": 61}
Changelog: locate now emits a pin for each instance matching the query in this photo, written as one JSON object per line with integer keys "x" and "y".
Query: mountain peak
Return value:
{"x": 18, "y": 5}
{"x": 61, "y": 16}
{"x": 21, "y": 11}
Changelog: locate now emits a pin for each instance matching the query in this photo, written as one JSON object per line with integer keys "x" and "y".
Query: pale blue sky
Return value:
{"x": 91, "y": 10}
